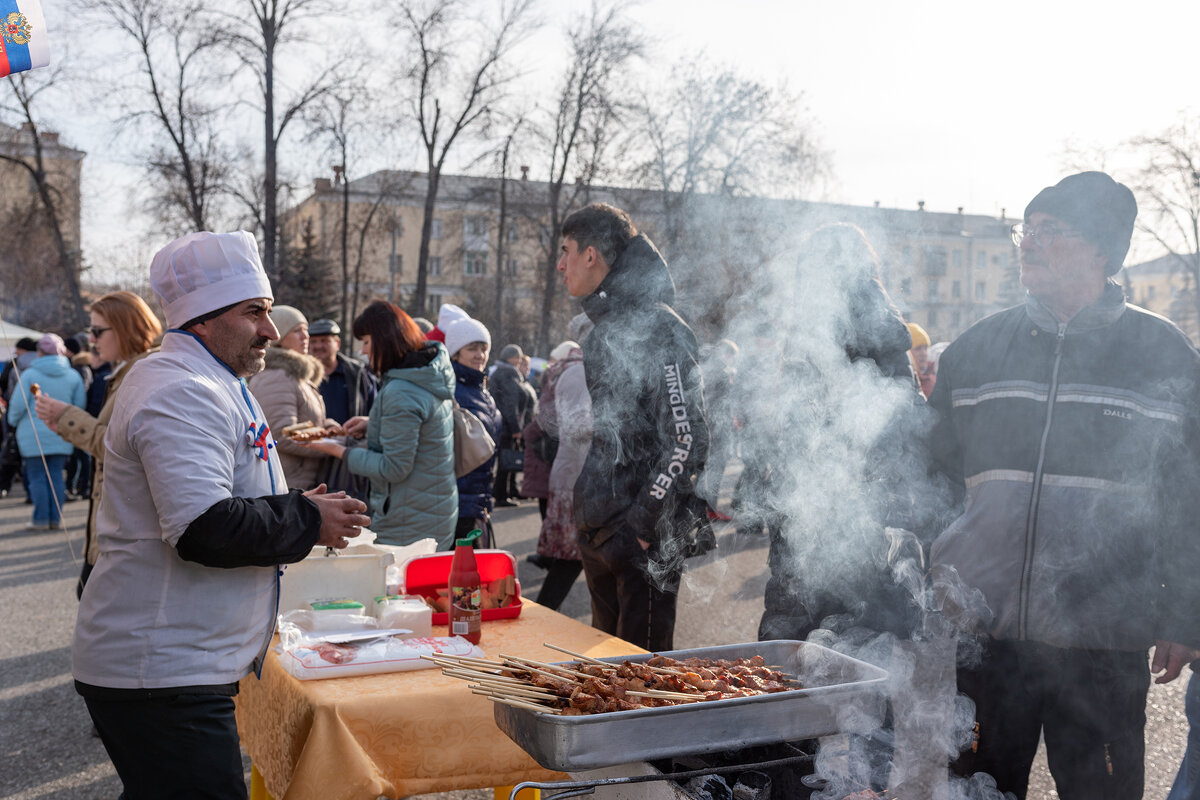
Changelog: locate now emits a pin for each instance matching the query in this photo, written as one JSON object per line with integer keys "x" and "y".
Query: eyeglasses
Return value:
{"x": 96, "y": 332}
{"x": 1041, "y": 236}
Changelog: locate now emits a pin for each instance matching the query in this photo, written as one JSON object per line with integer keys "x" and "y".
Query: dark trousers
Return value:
{"x": 179, "y": 746}
{"x": 560, "y": 577}
{"x": 625, "y": 602}
{"x": 1089, "y": 705}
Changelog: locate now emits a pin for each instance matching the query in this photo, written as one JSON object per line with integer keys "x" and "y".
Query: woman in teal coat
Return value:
{"x": 409, "y": 457}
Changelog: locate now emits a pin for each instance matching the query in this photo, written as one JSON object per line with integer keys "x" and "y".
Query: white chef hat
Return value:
{"x": 464, "y": 331}
{"x": 202, "y": 272}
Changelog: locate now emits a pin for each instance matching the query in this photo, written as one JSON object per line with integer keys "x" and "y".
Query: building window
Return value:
{"x": 956, "y": 289}
{"x": 906, "y": 286}
{"x": 514, "y": 232}
{"x": 395, "y": 263}
{"x": 435, "y": 229}
{"x": 434, "y": 304}
{"x": 477, "y": 226}
{"x": 435, "y": 267}
{"x": 933, "y": 320}
{"x": 1149, "y": 293}
{"x": 957, "y": 258}
{"x": 933, "y": 289}
{"x": 981, "y": 260}
{"x": 510, "y": 267}
{"x": 981, "y": 291}
{"x": 935, "y": 261}
{"x": 956, "y": 319}
{"x": 476, "y": 264}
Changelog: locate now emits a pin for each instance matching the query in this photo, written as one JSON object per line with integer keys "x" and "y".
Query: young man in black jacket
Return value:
{"x": 635, "y": 500}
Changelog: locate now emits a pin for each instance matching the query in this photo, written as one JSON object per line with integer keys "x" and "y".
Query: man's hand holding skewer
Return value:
{"x": 342, "y": 517}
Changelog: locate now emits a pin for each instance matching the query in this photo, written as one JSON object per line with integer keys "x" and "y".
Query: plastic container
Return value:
{"x": 405, "y": 611}
{"x": 426, "y": 575}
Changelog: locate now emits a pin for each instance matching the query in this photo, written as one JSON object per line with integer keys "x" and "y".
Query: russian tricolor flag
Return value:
{"x": 23, "y": 41}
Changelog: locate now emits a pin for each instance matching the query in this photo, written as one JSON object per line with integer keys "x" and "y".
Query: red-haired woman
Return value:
{"x": 409, "y": 457}
{"x": 123, "y": 330}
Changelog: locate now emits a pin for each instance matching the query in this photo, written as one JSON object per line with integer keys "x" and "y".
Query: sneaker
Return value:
{"x": 38, "y": 526}
{"x": 538, "y": 560}
{"x": 55, "y": 526}
{"x": 505, "y": 504}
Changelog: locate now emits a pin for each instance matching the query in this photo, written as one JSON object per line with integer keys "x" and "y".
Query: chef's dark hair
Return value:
{"x": 206, "y": 317}
{"x": 604, "y": 227}
{"x": 393, "y": 334}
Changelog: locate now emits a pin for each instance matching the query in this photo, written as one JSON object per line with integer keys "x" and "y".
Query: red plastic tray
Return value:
{"x": 424, "y": 575}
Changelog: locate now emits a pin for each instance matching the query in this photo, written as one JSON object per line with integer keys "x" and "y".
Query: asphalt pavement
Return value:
{"x": 47, "y": 749}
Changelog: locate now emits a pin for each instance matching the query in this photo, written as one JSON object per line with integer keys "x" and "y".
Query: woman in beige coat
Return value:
{"x": 124, "y": 329}
{"x": 287, "y": 391}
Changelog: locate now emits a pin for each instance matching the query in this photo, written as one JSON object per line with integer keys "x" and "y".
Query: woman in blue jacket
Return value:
{"x": 55, "y": 376}
{"x": 409, "y": 457}
{"x": 468, "y": 342}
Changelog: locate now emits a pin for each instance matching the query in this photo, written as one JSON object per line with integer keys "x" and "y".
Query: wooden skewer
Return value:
{"x": 597, "y": 662}
{"x": 517, "y": 688}
{"x": 526, "y": 706}
{"x": 526, "y": 661}
{"x": 471, "y": 660}
{"x": 471, "y": 675}
{"x": 679, "y": 696}
{"x": 491, "y": 692}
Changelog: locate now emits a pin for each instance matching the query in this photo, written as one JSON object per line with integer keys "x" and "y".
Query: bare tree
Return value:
{"x": 276, "y": 24}
{"x": 711, "y": 135}
{"x": 458, "y": 75}
{"x": 502, "y": 228}
{"x": 26, "y": 150}
{"x": 584, "y": 115}
{"x": 1168, "y": 189}
{"x": 189, "y": 165}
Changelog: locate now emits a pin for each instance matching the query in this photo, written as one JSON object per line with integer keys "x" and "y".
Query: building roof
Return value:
{"x": 15, "y": 142}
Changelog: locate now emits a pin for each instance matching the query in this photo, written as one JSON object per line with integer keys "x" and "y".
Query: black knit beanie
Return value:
{"x": 1097, "y": 206}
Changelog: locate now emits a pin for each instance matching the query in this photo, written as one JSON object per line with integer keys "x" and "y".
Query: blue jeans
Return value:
{"x": 1187, "y": 782}
{"x": 48, "y": 492}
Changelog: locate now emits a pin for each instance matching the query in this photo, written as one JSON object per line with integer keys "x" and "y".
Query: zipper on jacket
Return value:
{"x": 261, "y": 658}
{"x": 1036, "y": 493}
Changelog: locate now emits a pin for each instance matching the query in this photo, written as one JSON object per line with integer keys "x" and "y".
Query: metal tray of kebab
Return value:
{"x": 838, "y": 694}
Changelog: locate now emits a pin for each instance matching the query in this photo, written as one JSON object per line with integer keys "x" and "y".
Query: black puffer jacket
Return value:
{"x": 650, "y": 438}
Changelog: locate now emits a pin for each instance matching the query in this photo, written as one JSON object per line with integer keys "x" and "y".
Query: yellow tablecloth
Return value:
{"x": 403, "y": 733}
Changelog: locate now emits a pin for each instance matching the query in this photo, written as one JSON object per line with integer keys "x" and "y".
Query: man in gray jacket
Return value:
{"x": 1070, "y": 425}
{"x": 194, "y": 523}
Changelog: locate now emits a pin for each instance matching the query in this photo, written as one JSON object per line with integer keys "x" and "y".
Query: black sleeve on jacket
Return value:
{"x": 252, "y": 532}
{"x": 508, "y": 397}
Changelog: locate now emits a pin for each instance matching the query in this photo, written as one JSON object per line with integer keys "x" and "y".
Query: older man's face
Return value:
{"x": 1060, "y": 261}
{"x": 324, "y": 348}
{"x": 239, "y": 336}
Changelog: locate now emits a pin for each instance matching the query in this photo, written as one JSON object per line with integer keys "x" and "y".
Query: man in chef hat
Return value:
{"x": 182, "y": 602}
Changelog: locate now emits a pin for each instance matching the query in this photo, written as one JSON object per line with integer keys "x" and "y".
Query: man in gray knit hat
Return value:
{"x": 1069, "y": 427}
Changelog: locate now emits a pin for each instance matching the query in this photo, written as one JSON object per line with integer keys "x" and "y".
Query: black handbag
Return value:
{"x": 512, "y": 460}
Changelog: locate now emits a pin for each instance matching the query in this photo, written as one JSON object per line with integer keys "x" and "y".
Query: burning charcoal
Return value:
{"x": 752, "y": 785}
{"x": 709, "y": 787}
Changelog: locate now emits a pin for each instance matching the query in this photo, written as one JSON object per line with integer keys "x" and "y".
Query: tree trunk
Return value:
{"x": 500, "y": 242}
{"x": 550, "y": 285}
{"x": 269, "y": 166}
{"x": 417, "y": 302}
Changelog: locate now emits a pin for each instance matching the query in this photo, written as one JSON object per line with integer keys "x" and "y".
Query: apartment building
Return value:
{"x": 944, "y": 270}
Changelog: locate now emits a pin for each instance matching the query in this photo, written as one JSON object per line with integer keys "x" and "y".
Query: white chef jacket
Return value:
{"x": 181, "y": 439}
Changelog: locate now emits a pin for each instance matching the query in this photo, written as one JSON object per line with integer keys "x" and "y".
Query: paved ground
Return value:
{"x": 46, "y": 746}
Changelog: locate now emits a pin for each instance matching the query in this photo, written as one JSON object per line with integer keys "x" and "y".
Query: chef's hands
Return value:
{"x": 342, "y": 517}
{"x": 49, "y": 410}
{"x": 356, "y": 427}
{"x": 1171, "y": 657}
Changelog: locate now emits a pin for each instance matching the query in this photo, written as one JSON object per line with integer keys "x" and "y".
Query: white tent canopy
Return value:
{"x": 10, "y": 333}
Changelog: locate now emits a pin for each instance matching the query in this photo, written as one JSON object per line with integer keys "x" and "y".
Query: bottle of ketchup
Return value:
{"x": 466, "y": 600}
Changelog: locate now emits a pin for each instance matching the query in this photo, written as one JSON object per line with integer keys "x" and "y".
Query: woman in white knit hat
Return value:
{"x": 469, "y": 342}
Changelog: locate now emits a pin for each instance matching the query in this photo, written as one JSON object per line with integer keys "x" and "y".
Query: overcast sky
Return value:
{"x": 954, "y": 103}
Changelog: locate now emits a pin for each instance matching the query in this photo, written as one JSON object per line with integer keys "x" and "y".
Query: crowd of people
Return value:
{"x": 1026, "y": 492}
